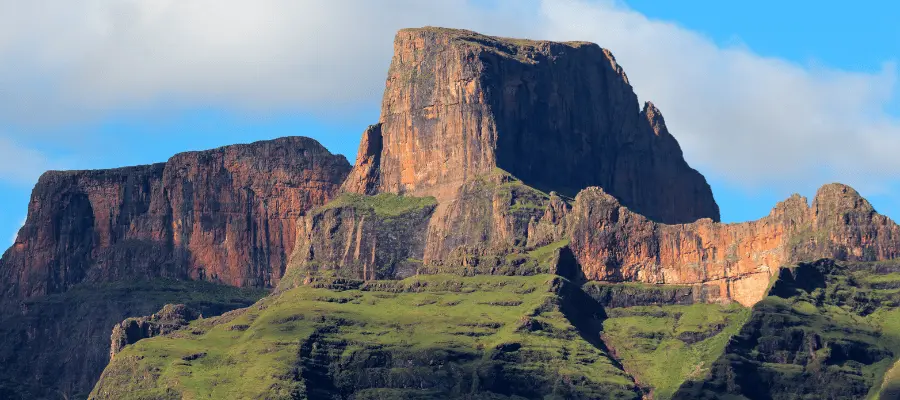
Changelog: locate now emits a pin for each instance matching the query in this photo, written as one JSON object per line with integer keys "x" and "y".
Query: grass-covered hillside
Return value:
{"x": 663, "y": 346}
{"x": 826, "y": 331}
{"x": 429, "y": 337}
{"x": 56, "y": 346}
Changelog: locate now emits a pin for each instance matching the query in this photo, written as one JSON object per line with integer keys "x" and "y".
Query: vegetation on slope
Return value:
{"x": 437, "y": 336}
{"x": 663, "y": 346}
{"x": 826, "y": 331}
{"x": 56, "y": 346}
{"x": 383, "y": 205}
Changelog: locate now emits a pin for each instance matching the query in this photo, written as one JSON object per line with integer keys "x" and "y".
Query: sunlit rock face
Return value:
{"x": 226, "y": 215}
{"x": 558, "y": 116}
{"x": 613, "y": 243}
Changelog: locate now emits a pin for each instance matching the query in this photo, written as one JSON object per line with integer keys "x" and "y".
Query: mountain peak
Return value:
{"x": 560, "y": 116}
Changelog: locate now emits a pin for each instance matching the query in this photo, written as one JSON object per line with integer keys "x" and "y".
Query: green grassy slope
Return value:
{"x": 663, "y": 346}
{"x": 427, "y": 337}
{"x": 826, "y": 331}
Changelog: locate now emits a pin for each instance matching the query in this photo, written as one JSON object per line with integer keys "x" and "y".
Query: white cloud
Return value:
{"x": 65, "y": 59}
{"x": 745, "y": 119}
{"x": 19, "y": 164}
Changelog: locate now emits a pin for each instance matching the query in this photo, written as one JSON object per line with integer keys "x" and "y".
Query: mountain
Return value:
{"x": 558, "y": 116}
{"x": 102, "y": 246}
{"x": 495, "y": 131}
{"x": 515, "y": 226}
{"x": 225, "y": 215}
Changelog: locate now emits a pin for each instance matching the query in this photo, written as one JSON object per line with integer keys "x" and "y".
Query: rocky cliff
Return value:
{"x": 226, "y": 215}
{"x": 501, "y": 131}
{"x": 558, "y": 116}
{"x": 615, "y": 244}
{"x": 362, "y": 237}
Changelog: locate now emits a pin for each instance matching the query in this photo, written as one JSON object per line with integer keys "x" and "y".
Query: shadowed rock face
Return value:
{"x": 226, "y": 215}
{"x": 169, "y": 319}
{"x": 558, "y": 116}
{"x": 615, "y": 244}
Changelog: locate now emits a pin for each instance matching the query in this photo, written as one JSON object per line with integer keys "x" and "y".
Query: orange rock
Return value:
{"x": 613, "y": 243}
{"x": 558, "y": 116}
{"x": 225, "y": 215}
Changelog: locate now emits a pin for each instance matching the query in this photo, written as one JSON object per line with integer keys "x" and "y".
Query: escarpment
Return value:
{"x": 503, "y": 133}
{"x": 226, "y": 215}
{"x": 499, "y": 131}
{"x": 615, "y": 244}
{"x": 558, "y": 116}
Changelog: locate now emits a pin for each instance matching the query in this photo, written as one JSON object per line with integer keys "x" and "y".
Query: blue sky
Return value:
{"x": 853, "y": 37}
{"x": 767, "y": 98}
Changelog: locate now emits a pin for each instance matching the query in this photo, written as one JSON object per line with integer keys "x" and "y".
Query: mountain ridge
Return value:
{"x": 514, "y": 207}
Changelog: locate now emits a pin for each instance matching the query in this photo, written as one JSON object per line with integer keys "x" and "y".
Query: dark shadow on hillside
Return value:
{"x": 587, "y": 316}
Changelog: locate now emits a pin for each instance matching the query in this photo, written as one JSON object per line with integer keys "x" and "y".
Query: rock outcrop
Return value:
{"x": 612, "y": 243}
{"x": 362, "y": 237}
{"x": 491, "y": 214}
{"x": 558, "y": 116}
{"x": 169, "y": 319}
{"x": 499, "y": 131}
{"x": 226, "y": 215}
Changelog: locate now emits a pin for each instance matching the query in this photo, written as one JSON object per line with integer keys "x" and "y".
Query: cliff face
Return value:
{"x": 362, "y": 237}
{"x": 56, "y": 346}
{"x": 558, "y": 116}
{"x": 615, "y": 244}
{"x": 500, "y": 131}
{"x": 226, "y": 215}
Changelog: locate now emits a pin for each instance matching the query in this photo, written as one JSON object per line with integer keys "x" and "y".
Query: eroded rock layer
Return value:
{"x": 226, "y": 215}
{"x": 362, "y": 237}
{"x": 615, "y": 244}
{"x": 558, "y": 116}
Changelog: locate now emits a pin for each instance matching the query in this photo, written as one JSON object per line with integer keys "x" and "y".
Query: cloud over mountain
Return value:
{"x": 742, "y": 118}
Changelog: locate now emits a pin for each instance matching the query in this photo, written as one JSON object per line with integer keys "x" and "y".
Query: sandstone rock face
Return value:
{"x": 490, "y": 214}
{"x": 363, "y": 179}
{"x": 362, "y": 237}
{"x": 226, "y": 215}
{"x": 169, "y": 319}
{"x": 501, "y": 131}
{"x": 558, "y": 116}
{"x": 615, "y": 244}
